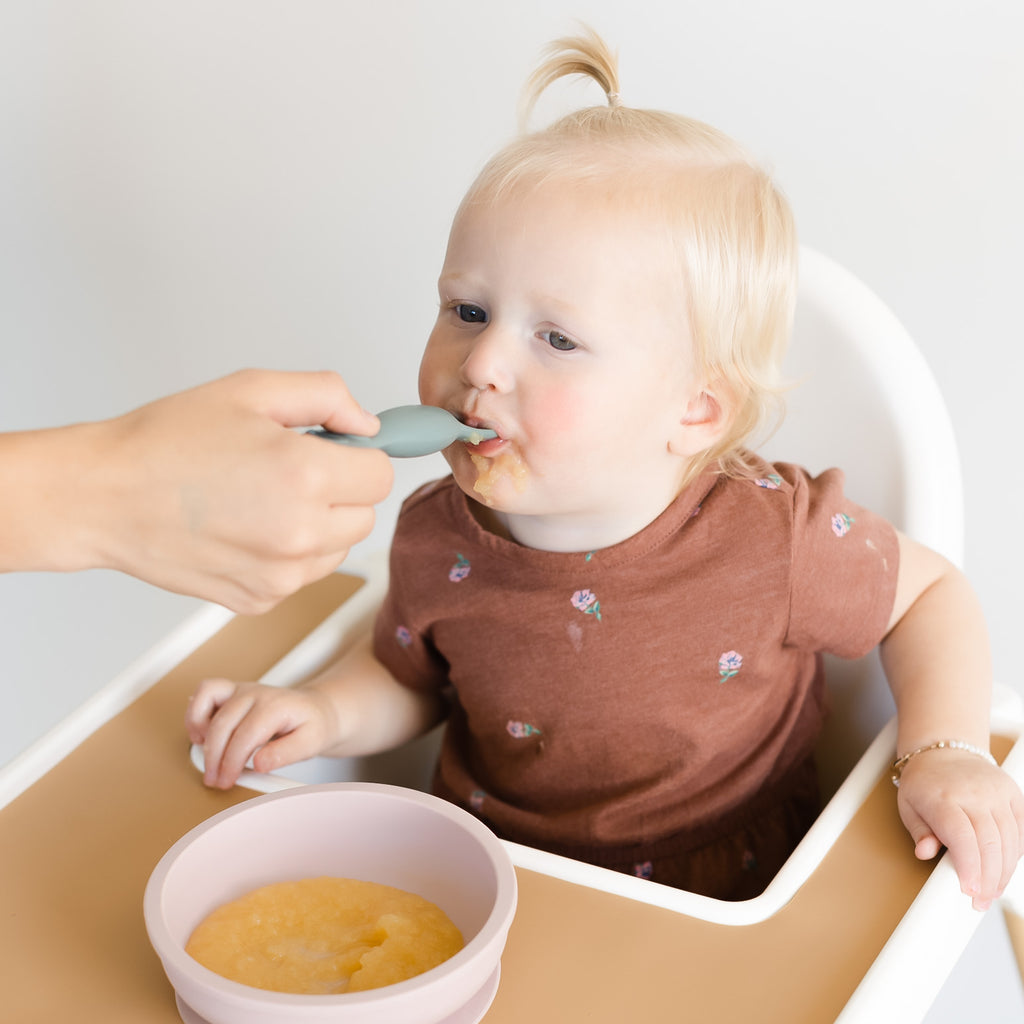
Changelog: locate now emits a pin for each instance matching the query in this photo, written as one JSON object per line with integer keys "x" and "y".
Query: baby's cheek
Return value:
{"x": 436, "y": 373}
{"x": 429, "y": 389}
{"x": 559, "y": 414}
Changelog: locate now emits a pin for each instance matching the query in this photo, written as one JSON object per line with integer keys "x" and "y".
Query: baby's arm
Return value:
{"x": 936, "y": 658}
{"x": 353, "y": 707}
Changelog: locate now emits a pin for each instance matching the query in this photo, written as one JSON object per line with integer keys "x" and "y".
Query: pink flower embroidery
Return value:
{"x": 841, "y": 524}
{"x": 403, "y": 636}
{"x": 521, "y": 730}
{"x": 460, "y": 570}
{"x": 772, "y": 482}
{"x": 586, "y": 601}
{"x": 476, "y": 799}
{"x": 728, "y": 665}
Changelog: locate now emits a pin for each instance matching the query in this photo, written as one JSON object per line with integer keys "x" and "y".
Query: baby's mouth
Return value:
{"x": 483, "y": 445}
{"x": 489, "y": 447}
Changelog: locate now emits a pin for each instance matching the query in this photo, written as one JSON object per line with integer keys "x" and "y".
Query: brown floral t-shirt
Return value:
{"x": 626, "y": 694}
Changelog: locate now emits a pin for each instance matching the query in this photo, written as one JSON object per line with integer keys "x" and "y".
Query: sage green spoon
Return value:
{"x": 409, "y": 431}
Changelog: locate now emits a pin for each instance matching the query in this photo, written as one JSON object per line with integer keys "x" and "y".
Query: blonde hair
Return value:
{"x": 731, "y": 227}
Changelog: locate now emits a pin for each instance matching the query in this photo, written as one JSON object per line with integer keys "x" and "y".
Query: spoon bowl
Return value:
{"x": 409, "y": 431}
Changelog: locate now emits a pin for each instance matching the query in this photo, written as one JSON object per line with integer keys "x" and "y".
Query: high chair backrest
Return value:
{"x": 865, "y": 400}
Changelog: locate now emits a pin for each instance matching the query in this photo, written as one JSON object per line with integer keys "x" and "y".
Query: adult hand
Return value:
{"x": 206, "y": 492}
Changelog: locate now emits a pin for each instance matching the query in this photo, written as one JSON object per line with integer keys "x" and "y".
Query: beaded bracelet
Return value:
{"x": 900, "y": 763}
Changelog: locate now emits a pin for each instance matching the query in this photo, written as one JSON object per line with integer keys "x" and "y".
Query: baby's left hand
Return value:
{"x": 955, "y": 799}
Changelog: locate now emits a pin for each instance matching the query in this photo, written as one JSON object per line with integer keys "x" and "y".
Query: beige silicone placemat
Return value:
{"x": 77, "y": 848}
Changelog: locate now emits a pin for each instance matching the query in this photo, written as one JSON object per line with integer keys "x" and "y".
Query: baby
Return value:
{"x": 616, "y": 605}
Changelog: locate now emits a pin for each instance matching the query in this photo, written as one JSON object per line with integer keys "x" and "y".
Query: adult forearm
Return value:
{"x": 47, "y": 499}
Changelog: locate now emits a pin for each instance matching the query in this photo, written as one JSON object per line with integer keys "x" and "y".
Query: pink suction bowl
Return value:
{"x": 384, "y": 834}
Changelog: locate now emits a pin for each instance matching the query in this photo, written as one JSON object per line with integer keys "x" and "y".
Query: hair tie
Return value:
{"x": 614, "y": 99}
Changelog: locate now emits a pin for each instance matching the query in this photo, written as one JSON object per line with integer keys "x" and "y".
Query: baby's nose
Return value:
{"x": 489, "y": 364}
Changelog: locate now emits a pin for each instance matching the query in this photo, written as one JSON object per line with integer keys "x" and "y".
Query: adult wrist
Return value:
{"x": 45, "y": 477}
{"x": 92, "y": 512}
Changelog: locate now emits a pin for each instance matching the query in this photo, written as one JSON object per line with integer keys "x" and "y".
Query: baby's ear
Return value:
{"x": 704, "y": 421}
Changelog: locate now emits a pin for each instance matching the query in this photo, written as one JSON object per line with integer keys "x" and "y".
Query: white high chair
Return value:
{"x": 863, "y": 399}
{"x": 867, "y": 403}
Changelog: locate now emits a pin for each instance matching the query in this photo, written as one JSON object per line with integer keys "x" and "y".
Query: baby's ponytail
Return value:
{"x": 586, "y": 54}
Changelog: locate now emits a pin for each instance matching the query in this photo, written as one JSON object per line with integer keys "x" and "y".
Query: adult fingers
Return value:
{"x": 352, "y": 476}
{"x": 303, "y": 399}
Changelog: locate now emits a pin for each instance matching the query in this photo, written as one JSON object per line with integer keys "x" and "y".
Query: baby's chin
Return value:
{"x": 493, "y": 481}
{"x": 496, "y": 475}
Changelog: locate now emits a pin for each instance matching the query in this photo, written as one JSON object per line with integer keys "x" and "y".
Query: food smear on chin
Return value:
{"x": 507, "y": 464}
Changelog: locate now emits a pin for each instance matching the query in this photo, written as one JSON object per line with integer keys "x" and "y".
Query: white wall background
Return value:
{"x": 193, "y": 186}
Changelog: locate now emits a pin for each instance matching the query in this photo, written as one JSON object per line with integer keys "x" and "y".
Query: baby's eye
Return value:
{"x": 558, "y": 340}
{"x": 470, "y": 313}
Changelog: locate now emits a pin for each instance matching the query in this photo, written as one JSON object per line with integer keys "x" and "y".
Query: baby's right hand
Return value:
{"x": 273, "y": 725}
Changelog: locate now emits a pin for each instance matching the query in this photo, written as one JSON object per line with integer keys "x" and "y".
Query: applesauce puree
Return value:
{"x": 508, "y": 463}
{"x": 321, "y": 936}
